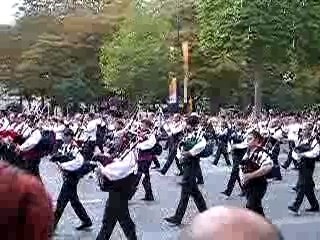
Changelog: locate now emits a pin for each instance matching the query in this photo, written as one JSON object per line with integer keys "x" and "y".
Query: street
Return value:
{"x": 149, "y": 216}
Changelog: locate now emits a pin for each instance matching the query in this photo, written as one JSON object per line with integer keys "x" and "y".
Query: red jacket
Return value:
{"x": 25, "y": 207}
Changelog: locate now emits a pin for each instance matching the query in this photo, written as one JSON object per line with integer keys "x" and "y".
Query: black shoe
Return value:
{"x": 226, "y": 193}
{"x": 179, "y": 174}
{"x": 84, "y": 226}
{"x": 295, "y": 189}
{"x": 173, "y": 220}
{"x": 313, "y": 209}
{"x": 155, "y": 167}
{"x": 242, "y": 194}
{"x": 293, "y": 209}
{"x": 161, "y": 172}
{"x": 148, "y": 199}
{"x": 215, "y": 164}
{"x": 284, "y": 166}
{"x": 200, "y": 182}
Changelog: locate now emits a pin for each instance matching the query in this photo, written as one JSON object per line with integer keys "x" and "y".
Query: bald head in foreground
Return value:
{"x": 230, "y": 223}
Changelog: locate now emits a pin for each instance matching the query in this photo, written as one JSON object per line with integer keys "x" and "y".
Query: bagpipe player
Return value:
{"x": 306, "y": 154}
{"x": 192, "y": 146}
{"x": 70, "y": 161}
{"x": 255, "y": 166}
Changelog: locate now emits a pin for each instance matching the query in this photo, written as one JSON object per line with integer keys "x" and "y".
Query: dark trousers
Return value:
{"x": 88, "y": 150}
{"x": 234, "y": 176}
{"x": 308, "y": 191}
{"x": 156, "y": 162}
{"x": 117, "y": 210}
{"x": 290, "y": 159}
{"x": 222, "y": 149}
{"x": 254, "y": 194}
{"x": 189, "y": 190}
{"x": 32, "y": 167}
{"x": 143, "y": 169}
{"x": 171, "y": 157}
{"x": 69, "y": 193}
{"x": 199, "y": 175}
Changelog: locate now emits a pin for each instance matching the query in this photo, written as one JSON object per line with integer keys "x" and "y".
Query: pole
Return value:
{"x": 185, "y": 51}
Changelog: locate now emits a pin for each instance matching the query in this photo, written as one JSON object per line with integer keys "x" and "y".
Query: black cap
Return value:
{"x": 68, "y": 132}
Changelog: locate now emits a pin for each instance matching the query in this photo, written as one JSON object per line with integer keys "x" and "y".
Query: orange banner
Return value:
{"x": 173, "y": 91}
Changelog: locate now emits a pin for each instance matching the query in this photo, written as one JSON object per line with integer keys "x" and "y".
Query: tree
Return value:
{"x": 136, "y": 59}
{"x": 261, "y": 35}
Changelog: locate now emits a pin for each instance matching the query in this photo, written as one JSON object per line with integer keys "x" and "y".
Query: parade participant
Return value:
{"x": 294, "y": 129}
{"x": 306, "y": 154}
{"x": 174, "y": 130}
{"x": 255, "y": 166}
{"x": 30, "y": 150}
{"x": 26, "y": 209}
{"x": 147, "y": 140}
{"x": 229, "y": 223}
{"x": 4, "y": 122}
{"x": 239, "y": 148}
{"x": 91, "y": 135}
{"x": 223, "y": 139}
{"x": 70, "y": 161}
{"x": 193, "y": 146}
{"x": 273, "y": 146}
{"x": 58, "y": 129}
{"x": 118, "y": 177}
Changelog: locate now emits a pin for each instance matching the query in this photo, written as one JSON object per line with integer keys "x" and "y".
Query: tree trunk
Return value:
{"x": 257, "y": 91}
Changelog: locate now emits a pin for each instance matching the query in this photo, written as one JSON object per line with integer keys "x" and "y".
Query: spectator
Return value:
{"x": 229, "y": 223}
{"x": 25, "y": 207}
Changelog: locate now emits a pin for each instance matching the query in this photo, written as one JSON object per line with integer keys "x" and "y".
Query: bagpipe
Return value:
{"x": 249, "y": 164}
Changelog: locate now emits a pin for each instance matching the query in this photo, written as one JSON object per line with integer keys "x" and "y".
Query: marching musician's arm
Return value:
{"x": 74, "y": 164}
{"x": 241, "y": 145}
{"x": 198, "y": 148}
{"x": 148, "y": 144}
{"x": 31, "y": 142}
{"x": 5, "y": 125}
{"x": 313, "y": 153}
{"x": 265, "y": 167}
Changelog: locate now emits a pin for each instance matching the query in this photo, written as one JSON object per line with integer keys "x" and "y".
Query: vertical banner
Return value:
{"x": 186, "y": 57}
{"x": 173, "y": 91}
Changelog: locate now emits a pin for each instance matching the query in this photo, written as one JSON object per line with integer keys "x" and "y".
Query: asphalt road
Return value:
{"x": 149, "y": 216}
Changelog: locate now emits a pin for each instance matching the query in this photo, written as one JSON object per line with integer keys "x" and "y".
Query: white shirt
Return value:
{"x": 91, "y": 130}
{"x": 314, "y": 152}
{"x": 32, "y": 141}
{"x": 58, "y": 130}
{"x": 293, "y": 130}
{"x": 74, "y": 164}
{"x": 4, "y": 124}
{"x": 147, "y": 144}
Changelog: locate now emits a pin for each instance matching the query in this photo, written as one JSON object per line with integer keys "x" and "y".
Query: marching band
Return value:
{"x": 121, "y": 151}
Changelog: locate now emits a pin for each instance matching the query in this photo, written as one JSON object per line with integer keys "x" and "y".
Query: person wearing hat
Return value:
{"x": 147, "y": 140}
{"x": 255, "y": 167}
{"x": 192, "y": 146}
{"x": 70, "y": 161}
{"x": 174, "y": 129}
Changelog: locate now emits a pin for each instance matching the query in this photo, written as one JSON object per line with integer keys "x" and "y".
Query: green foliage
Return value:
{"x": 266, "y": 38}
{"x": 136, "y": 59}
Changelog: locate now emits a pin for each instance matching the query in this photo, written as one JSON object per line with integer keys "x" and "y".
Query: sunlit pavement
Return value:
{"x": 149, "y": 216}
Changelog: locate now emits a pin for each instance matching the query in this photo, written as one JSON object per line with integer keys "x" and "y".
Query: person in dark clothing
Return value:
{"x": 193, "y": 145}
{"x": 255, "y": 167}
{"x": 239, "y": 148}
{"x": 70, "y": 161}
{"x": 175, "y": 133}
{"x": 306, "y": 154}
{"x": 223, "y": 138}
{"x": 120, "y": 189}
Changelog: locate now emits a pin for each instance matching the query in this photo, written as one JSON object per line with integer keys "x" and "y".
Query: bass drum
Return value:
{"x": 124, "y": 184}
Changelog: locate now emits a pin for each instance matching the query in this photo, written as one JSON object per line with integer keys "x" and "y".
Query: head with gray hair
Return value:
{"x": 229, "y": 223}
